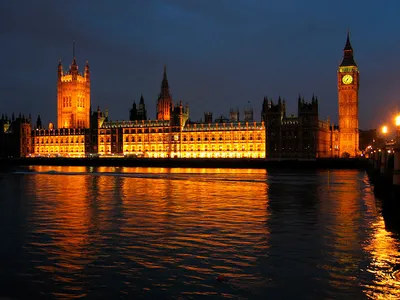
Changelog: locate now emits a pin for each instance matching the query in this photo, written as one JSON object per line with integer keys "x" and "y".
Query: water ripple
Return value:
{"x": 77, "y": 232}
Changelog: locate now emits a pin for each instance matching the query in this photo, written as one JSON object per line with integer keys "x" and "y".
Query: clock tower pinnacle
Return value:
{"x": 348, "y": 85}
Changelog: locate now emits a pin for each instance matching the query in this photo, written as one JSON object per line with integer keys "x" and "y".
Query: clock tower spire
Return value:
{"x": 348, "y": 86}
{"x": 348, "y": 58}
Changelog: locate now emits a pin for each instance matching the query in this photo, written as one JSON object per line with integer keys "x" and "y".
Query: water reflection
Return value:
{"x": 130, "y": 229}
{"x": 59, "y": 224}
{"x": 344, "y": 213}
{"x": 163, "y": 233}
{"x": 295, "y": 236}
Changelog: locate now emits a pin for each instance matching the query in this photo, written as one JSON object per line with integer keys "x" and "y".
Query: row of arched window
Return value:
{"x": 185, "y": 138}
{"x": 41, "y": 150}
{"x": 61, "y": 140}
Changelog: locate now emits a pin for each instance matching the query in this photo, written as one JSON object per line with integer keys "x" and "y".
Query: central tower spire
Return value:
{"x": 164, "y": 85}
{"x": 164, "y": 102}
{"x": 74, "y": 65}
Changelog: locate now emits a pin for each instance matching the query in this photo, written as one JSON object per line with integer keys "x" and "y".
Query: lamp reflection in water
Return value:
{"x": 382, "y": 248}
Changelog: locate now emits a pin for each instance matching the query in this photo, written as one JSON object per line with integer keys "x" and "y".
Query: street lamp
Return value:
{"x": 397, "y": 129}
{"x": 396, "y": 162}
{"x": 384, "y": 130}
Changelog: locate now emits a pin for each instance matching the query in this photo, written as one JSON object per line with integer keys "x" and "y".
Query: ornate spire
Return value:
{"x": 39, "y": 122}
{"x": 348, "y": 47}
{"x": 59, "y": 69}
{"x": 73, "y": 53}
{"x": 141, "y": 99}
{"x": 348, "y": 58}
{"x": 87, "y": 71}
{"x": 164, "y": 85}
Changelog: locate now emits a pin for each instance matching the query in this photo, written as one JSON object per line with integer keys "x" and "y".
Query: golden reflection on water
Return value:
{"x": 384, "y": 260}
{"x": 139, "y": 215}
{"x": 351, "y": 214}
{"x": 343, "y": 199}
{"x": 60, "y": 224}
{"x": 65, "y": 207}
{"x": 196, "y": 223}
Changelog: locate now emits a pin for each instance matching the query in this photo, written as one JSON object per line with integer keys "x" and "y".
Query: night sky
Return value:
{"x": 219, "y": 54}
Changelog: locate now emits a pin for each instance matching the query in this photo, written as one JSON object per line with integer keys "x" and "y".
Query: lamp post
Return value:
{"x": 396, "y": 169}
{"x": 384, "y": 131}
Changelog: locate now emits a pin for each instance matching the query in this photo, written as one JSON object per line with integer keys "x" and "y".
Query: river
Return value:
{"x": 160, "y": 233}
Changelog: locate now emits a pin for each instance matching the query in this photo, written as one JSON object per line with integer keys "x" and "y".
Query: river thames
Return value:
{"x": 159, "y": 233}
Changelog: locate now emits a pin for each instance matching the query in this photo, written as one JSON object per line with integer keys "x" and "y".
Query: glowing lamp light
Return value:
{"x": 384, "y": 129}
{"x": 397, "y": 120}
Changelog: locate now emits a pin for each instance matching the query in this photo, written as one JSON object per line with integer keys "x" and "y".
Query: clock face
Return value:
{"x": 347, "y": 79}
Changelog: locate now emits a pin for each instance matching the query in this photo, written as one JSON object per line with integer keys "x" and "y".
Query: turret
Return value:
{"x": 39, "y": 122}
{"x": 141, "y": 112}
{"x": 133, "y": 112}
{"x": 87, "y": 72}
{"x": 59, "y": 71}
{"x": 74, "y": 65}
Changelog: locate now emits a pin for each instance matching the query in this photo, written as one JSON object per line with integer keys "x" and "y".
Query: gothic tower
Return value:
{"x": 273, "y": 114}
{"x": 142, "y": 112}
{"x": 164, "y": 102}
{"x": 348, "y": 85}
{"x": 73, "y": 96}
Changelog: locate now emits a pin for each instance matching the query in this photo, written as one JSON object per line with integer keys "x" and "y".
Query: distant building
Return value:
{"x": 15, "y": 137}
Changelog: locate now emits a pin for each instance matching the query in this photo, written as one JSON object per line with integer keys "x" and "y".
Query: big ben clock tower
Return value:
{"x": 348, "y": 84}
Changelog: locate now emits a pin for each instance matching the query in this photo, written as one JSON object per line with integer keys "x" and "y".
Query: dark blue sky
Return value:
{"x": 220, "y": 54}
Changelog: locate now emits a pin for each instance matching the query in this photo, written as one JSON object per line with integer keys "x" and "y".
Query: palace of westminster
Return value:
{"x": 81, "y": 132}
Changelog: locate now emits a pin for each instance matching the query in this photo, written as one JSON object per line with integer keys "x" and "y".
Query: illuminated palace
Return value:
{"x": 171, "y": 134}
{"x": 81, "y": 132}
